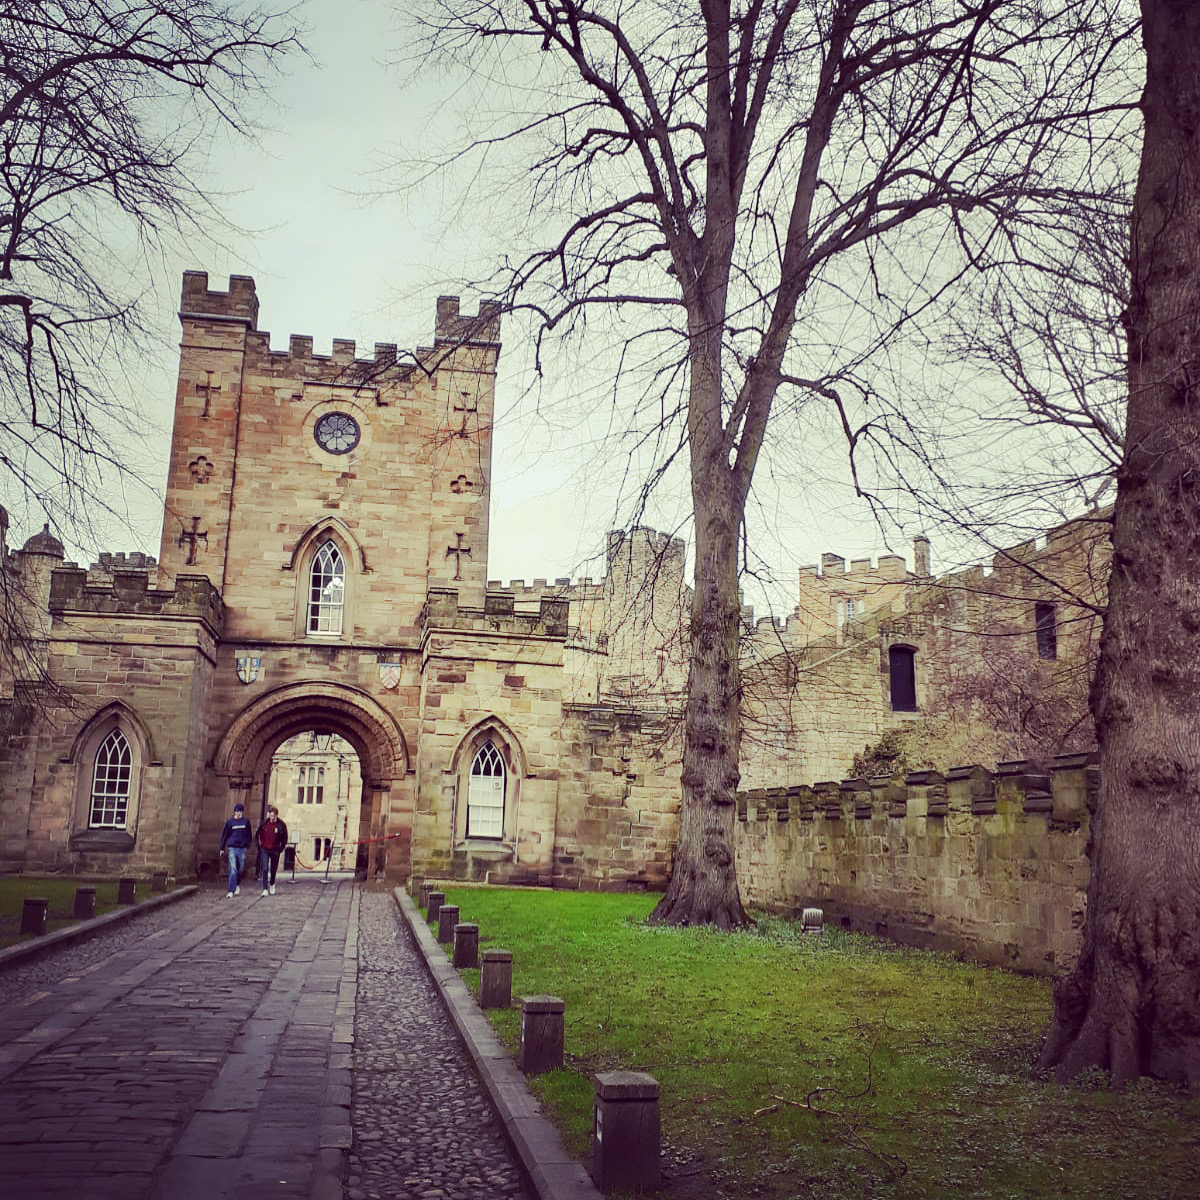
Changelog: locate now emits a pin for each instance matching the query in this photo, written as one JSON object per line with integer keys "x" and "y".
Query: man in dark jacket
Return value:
{"x": 235, "y": 841}
{"x": 272, "y": 837}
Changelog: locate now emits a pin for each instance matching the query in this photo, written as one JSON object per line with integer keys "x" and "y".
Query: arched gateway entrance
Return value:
{"x": 245, "y": 752}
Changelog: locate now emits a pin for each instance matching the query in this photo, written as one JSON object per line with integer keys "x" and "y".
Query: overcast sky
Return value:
{"x": 329, "y": 263}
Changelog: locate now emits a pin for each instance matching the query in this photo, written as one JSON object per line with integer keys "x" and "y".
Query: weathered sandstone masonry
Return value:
{"x": 989, "y": 864}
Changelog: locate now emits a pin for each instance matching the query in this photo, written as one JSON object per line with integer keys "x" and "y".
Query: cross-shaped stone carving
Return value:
{"x": 458, "y": 551}
{"x": 192, "y": 536}
{"x": 460, "y": 485}
{"x": 201, "y": 469}
{"x": 206, "y": 390}
{"x": 470, "y": 404}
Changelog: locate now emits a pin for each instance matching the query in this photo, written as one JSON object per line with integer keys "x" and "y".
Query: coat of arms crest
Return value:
{"x": 248, "y": 669}
{"x": 389, "y": 674}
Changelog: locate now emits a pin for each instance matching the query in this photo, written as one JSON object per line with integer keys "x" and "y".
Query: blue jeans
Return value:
{"x": 237, "y": 864}
{"x": 268, "y": 866}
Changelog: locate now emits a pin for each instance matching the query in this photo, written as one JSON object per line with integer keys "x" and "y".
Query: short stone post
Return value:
{"x": 433, "y": 906}
{"x": 126, "y": 891}
{"x": 447, "y": 919}
{"x": 33, "y": 916}
{"x": 495, "y": 979}
{"x": 423, "y": 894}
{"x": 85, "y": 903}
{"x": 466, "y": 945}
{"x": 625, "y": 1132}
{"x": 542, "y": 1023}
{"x": 159, "y": 882}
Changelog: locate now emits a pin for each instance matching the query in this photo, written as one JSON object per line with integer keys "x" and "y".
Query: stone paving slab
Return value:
{"x": 173, "y": 1068}
{"x": 282, "y": 1048}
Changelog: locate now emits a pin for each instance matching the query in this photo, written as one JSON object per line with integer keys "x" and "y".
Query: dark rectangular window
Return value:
{"x": 1046, "y": 624}
{"x": 902, "y": 671}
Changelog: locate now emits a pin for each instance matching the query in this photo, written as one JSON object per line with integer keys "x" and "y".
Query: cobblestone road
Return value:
{"x": 204, "y": 1050}
{"x": 422, "y": 1125}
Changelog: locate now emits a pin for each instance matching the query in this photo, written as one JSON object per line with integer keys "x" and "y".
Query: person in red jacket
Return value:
{"x": 272, "y": 837}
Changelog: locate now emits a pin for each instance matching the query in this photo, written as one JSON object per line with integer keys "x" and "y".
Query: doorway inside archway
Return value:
{"x": 316, "y": 783}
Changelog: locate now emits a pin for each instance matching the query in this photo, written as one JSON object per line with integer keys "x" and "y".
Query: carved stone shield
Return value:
{"x": 248, "y": 669}
{"x": 389, "y": 674}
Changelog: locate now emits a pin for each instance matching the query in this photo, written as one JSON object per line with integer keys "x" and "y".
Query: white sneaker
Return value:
{"x": 237, "y": 891}
{"x": 228, "y": 895}
{"x": 272, "y": 889}
{"x": 264, "y": 891}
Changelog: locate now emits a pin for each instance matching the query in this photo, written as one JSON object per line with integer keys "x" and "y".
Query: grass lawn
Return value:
{"x": 833, "y": 1067}
{"x": 61, "y": 895}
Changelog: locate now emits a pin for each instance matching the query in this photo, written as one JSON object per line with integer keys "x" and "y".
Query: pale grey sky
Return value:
{"x": 329, "y": 263}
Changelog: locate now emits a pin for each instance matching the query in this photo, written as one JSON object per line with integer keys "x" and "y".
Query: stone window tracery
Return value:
{"x": 112, "y": 778}
{"x": 327, "y": 590}
{"x": 485, "y": 793}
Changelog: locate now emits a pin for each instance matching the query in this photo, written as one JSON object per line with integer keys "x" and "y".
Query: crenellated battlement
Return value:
{"x": 987, "y": 863}
{"x": 454, "y": 327}
{"x": 889, "y": 568}
{"x": 443, "y": 611}
{"x": 126, "y": 591}
{"x": 239, "y": 303}
{"x": 643, "y": 544}
{"x": 564, "y": 587}
{"x": 1082, "y": 536}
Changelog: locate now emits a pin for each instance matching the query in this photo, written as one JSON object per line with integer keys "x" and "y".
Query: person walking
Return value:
{"x": 235, "y": 841}
{"x": 272, "y": 838}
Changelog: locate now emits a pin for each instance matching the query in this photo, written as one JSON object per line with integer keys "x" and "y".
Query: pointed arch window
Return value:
{"x": 327, "y": 590}
{"x": 485, "y": 793}
{"x": 112, "y": 779}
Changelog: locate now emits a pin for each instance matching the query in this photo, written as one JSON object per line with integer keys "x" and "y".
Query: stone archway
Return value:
{"x": 244, "y": 753}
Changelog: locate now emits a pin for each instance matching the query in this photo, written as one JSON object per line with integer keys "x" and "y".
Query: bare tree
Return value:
{"x": 1130, "y": 1003}
{"x": 786, "y": 189}
{"x": 105, "y": 110}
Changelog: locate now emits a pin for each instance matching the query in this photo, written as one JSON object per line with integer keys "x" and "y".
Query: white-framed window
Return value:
{"x": 310, "y": 786}
{"x": 112, "y": 781}
{"x": 485, "y": 793}
{"x": 846, "y": 609}
{"x": 326, "y": 590}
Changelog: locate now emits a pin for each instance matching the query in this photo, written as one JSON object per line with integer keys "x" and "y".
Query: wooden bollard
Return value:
{"x": 433, "y": 906}
{"x": 466, "y": 945}
{"x": 33, "y": 916}
{"x": 495, "y": 979}
{"x": 85, "y": 903}
{"x": 447, "y": 919}
{"x": 625, "y": 1132}
{"x": 542, "y": 1023}
{"x": 159, "y": 882}
{"x": 126, "y": 891}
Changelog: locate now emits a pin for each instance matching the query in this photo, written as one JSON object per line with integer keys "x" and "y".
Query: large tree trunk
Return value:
{"x": 703, "y": 888}
{"x": 1132, "y": 1003}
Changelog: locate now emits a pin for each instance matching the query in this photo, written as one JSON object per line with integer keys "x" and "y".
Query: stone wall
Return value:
{"x": 147, "y": 653}
{"x": 618, "y": 797}
{"x": 988, "y": 864}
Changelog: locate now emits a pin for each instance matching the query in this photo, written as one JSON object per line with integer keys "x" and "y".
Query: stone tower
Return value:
{"x": 274, "y": 451}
